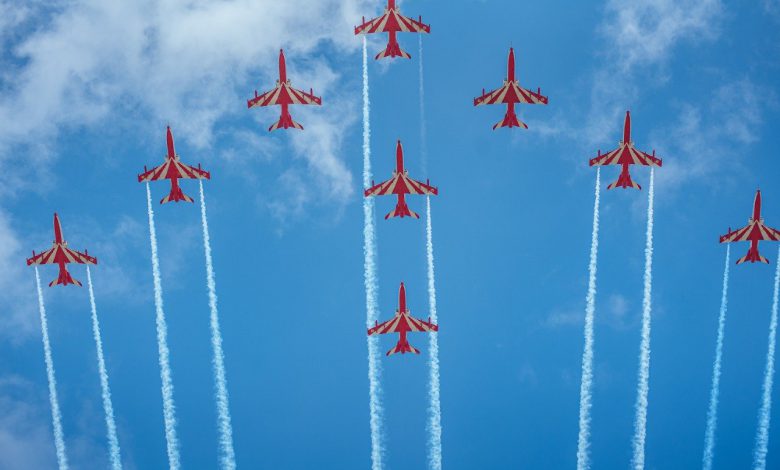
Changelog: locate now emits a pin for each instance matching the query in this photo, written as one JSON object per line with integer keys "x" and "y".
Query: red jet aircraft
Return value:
{"x": 625, "y": 155}
{"x": 754, "y": 233}
{"x": 61, "y": 255}
{"x": 392, "y": 22}
{"x": 509, "y": 94}
{"x": 284, "y": 95}
{"x": 173, "y": 169}
{"x": 402, "y": 323}
{"x": 400, "y": 184}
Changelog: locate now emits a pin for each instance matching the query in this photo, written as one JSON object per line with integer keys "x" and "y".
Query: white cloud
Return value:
{"x": 187, "y": 63}
{"x": 18, "y": 307}
{"x": 25, "y": 432}
{"x": 701, "y": 144}
{"x": 639, "y": 39}
{"x": 644, "y": 32}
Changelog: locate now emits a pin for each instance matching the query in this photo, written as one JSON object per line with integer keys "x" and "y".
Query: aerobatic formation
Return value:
{"x": 399, "y": 185}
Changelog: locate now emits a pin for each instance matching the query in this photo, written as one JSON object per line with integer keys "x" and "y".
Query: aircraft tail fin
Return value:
{"x": 624, "y": 181}
{"x": 402, "y": 210}
{"x": 176, "y": 195}
{"x": 64, "y": 279}
{"x": 393, "y": 50}
{"x": 285, "y": 122}
{"x": 510, "y": 120}
{"x": 403, "y": 348}
{"x": 753, "y": 256}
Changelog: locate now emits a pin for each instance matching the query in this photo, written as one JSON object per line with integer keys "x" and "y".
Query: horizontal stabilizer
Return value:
{"x": 754, "y": 257}
{"x": 285, "y": 122}
{"x": 510, "y": 120}
{"x": 393, "y": 50}
{"x": 403, "y": 349}
{"x": 176, "y": 195}
{"x": 64, "y": 279}
{"x": 402, "y": 211}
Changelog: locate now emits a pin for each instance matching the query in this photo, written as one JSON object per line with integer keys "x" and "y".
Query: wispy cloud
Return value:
{"x": 25, "y": 434}
{"x": 639, "y": 38}
{"x": 148, "y": 63}
{"x": 644, "y": 33}
{"x": 703, "y": 143}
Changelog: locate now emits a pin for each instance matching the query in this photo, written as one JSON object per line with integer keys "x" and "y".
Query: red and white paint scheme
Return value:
{"x": 173, "y": 169}
{"x": 400, "y": 184}
{"x": 284, "y": 95}
{"x": 402, "y": 323}
{"x": 61, "y": 255}
{"x": 392, "y": 22}
{"x": 625, "y": 155}
{"x": 510, "y": 94}
{"x": 754, "y": 232}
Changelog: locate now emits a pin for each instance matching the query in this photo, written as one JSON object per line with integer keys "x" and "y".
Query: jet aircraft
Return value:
{"x": 392, "y": 22}
{"x": 510, "y": 93}
{"x": 284, "y": 95}
{"x": 754, "y": 232}
{"x": 61, "y": 255}
{"x": 173, "y": 169}
{"x": 400, "y": 184}
{"x": 402, "y": 323}
{"x": 625, "y": 155}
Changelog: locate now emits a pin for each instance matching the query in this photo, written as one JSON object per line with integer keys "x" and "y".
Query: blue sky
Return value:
{"x": 87, "y": 88}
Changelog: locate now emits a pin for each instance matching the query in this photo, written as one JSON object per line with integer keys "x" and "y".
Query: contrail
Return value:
{"x": 434, "y": 408}
{"x": 169, "y": 409}
{"x": 220, "y": 380}
{"x": 56, "y": 417}
{"x": 108, "y": 407}
{"x": 712, "y": 413}
{"x": 370, "y": 279}
{"x": 762, "y": 434}
{"x": 423, "y": 130}
{"x": 643, "y": 385}
{"x": 586, "y": 386}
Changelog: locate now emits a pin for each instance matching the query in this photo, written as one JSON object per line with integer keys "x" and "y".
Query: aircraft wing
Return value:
{"x": 284, "y": 94}
{"x": 401, "y": 184}
{"x": 625, "y": 154}
{"x": 173, "y": 169}
{"x": 610, "y": 158}
{"x": 47, "y": 257}
{"x": 745, "y": 233}
{"x": 396, "y": 325}
{"x": 385, "y": 24}
{"x": 511, "y": 92}
{"x": 71, "y": 256}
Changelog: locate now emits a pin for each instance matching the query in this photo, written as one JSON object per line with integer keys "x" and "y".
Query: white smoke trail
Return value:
{"x": 586, "y": 386}
{"x": 643, "y": 385}
{"x": 762, "y": 434}
{"x": 370, "y": 279}
{"x": 220, "y": 380}
{"x": 56, "y": 417}
{"x": 108, "y": 407}
{"x": 434, "y": 408}
{"x": 169, "y": 409}
{"x": 712, "y": 412}
{"x": 423, "y": 130}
